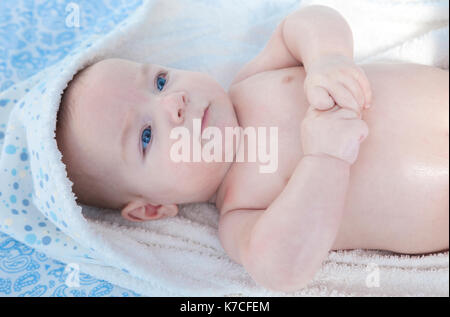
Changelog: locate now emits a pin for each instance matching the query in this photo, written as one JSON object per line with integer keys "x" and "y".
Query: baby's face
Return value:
{"x": 123, "y": 119}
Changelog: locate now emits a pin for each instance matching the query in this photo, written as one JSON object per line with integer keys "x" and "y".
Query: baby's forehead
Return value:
{"x": 114, "y": 73}
{"x": 111, "y": 83}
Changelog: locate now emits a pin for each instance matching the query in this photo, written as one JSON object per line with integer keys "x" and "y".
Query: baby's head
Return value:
{"x": 113, "y": 130}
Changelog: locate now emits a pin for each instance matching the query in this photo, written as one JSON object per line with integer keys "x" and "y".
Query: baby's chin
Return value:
{"x": 222, "y": 113}
{"x": 198, "y": 181}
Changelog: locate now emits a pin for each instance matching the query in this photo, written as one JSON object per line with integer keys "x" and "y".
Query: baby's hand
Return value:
{"x": 335, "y": 79}
{"x": 337, "y": 132}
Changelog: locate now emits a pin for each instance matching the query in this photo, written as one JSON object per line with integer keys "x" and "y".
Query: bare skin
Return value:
{"x": 398, "y": 192}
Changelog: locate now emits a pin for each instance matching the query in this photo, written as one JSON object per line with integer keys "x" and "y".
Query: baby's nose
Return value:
{"x": 175, "y": 104}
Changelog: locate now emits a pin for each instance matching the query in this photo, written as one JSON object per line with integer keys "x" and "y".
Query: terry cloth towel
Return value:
{"x": 182, "y": 256}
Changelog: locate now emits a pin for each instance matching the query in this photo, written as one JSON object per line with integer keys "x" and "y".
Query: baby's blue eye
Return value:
{"x": 160, "y": 81}
{"x": 146, "y": 137}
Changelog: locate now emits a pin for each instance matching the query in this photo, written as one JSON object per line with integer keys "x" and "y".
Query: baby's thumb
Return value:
{"x": 363, "y": 129}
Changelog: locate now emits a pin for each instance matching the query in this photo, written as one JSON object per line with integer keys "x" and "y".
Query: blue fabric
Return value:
{"x": 36, "y": 34}
{"x": 33, "y": 36}
{"x": 24, "y": 272}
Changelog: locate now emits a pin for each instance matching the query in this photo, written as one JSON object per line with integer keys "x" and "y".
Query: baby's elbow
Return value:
{"x": 279, "y": 280}
{"x": 279, "y": 276}
{"x": 289, "y": 285}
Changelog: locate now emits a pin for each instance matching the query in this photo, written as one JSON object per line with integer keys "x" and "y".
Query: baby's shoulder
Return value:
{"x": 244, "y": 187}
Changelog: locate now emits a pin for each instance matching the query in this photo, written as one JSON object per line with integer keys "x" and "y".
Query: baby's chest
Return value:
{"x": 270, "y": 107}
{"x": 273, "y": 98}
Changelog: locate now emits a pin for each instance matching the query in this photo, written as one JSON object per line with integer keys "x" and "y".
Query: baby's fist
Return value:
{"x": 335, "y": 79}
{"x": 337, "y": 132}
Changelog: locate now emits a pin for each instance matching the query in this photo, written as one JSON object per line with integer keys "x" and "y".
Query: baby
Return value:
{"x": 335, "y": 187}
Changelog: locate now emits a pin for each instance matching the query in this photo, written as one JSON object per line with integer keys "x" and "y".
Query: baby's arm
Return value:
{"x": 283, "y": 246}
{"x": 301, "y": 38}
{"x": 319, "y": 38}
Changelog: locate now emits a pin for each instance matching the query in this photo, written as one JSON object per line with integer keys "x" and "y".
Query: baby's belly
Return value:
{"x": 398, "y": 191}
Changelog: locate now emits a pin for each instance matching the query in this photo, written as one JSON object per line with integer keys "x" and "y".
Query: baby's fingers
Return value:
{"x": 361, "y": 77}
{"x": 341, "y": 113}
{"x": 353, "y": 86}
{"x": 319, "y": 98}
{"x": 343, "y": 97}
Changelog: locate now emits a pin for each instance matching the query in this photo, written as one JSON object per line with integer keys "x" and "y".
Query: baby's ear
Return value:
{"x": 139, "y": 211}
